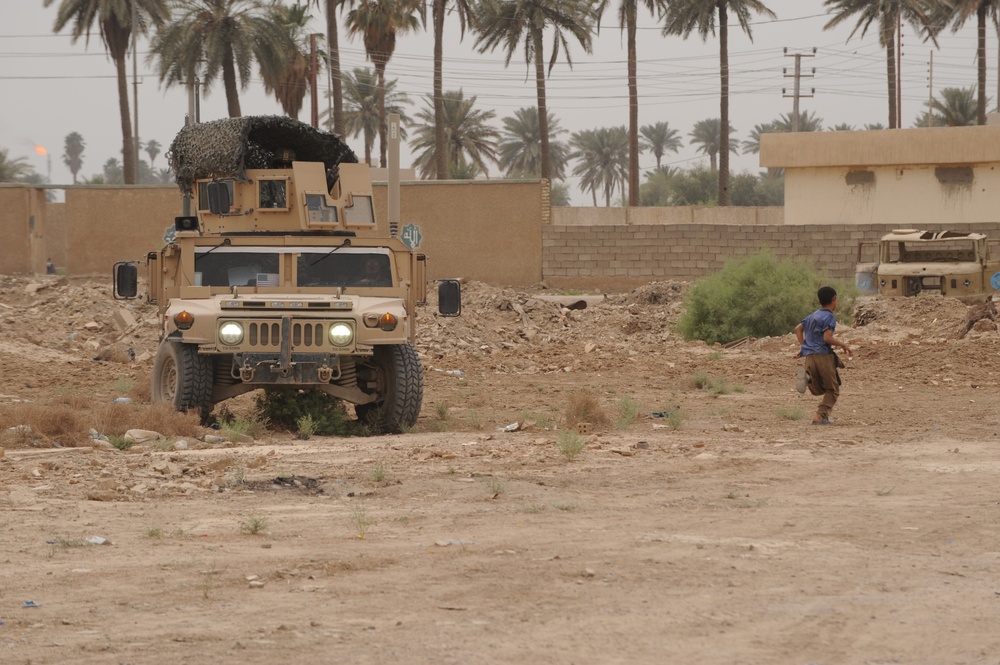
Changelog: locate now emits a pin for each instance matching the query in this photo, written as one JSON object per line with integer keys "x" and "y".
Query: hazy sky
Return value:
{"x": 51, "y": 87}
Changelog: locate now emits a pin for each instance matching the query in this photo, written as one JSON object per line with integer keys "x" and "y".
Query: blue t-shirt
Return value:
{"x": 814, "y": 326}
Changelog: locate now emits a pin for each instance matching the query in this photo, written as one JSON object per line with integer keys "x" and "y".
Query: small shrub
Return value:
{"x": 794, "y": 414}
{"x": 305, "y": 426}
{"x": 675, "y": 419}
{"x": 628, "y": 412}
{"x": 542, "y": 420}
{"x": 715, "y": 355}
{"x": 756, "y": 297}
{"x": 570, "y": 444}
{"x": 379, "y": 473}
{"x": 253, "y": 526}
{"x": 283, "y": 407}
{"x": 496, "y": 486}
{"x": 120, "y": 442}
{"x": 584, "y": 408}
{"x": 362, "y": 521}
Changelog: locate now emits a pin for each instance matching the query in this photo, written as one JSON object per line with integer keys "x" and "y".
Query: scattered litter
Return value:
{"x": 509, "y": 428}
{"x": 98, "y": 540}
{"x": 455, "y": 372}
{"x": 453, "y": 541}
{"x": 31, "y": 603}
{"x": 663, "y": 414}
{"x": 122, "y": 400}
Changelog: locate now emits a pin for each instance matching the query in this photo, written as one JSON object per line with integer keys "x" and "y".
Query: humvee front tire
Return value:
{"x": 400, "y": 380}
{"x": 182, "y": 377}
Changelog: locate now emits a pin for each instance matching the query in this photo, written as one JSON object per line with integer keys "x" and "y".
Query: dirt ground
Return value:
{"x": 726, "y": 530}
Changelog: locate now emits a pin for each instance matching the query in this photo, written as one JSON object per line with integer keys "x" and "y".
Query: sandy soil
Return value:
{"x": 732, "y": 533}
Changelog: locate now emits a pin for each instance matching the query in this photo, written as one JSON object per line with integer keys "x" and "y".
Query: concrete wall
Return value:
{"x": 611, "y": 257}
{"x": 910, "y": 178}
{"x": 567, "y": 216}
{"x": 22, "y": 225}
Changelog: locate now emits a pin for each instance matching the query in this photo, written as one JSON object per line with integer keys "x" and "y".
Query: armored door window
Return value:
{"x": 273, "y": 195}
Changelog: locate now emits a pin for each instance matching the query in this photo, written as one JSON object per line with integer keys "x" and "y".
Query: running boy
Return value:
{"x": 815, "y": 336}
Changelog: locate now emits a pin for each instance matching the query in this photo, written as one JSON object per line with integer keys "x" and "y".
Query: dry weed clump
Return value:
{"x": 115, "y": 419}
{"x": 63, "y": 423}
{"x": 584, "y": 408}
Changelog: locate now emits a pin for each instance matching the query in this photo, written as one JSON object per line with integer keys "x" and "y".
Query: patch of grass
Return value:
{"x": 496, "y": 486}
{"x": 628, "y": 411}
{"x": 378, "y": 473}
{"x": 236, "y": 428}
{"x": 564, "y": 507}
{"x": 120, "y": 442}
{"x": 472, "y": 417}
{"x": 713, "y": 385}
{"x": 123, "y": 385}
{"x": 534, "y": 509}
{"x": 154, "y": 533}
{"x": 441, "y": 411}
{"x": 737, "y": 388}
{"x": 786, "y": 414}
{"x": 570, "y": 444}
{"x": 753, "y": 503}
{"x": 715, "y": 355}
{"x": 253, "y": 526}
{"x": 675, "y": 419}
{"x": 283, "y": 407}
{"x": 305, "y": 426}
{"x": 542, "y": 420}
{"x": 885, "y": 491}
{"x": 361, "y": 520}
{"x": 583, "y": 407}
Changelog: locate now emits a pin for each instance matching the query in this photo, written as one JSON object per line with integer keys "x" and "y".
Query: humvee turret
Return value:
{"x": 281, "y": 277}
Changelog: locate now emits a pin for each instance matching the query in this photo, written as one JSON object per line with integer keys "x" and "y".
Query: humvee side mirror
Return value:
{"x": 219, "y": 200}
{"x": 449, "y": 297}
{"x": 126, "y": 280}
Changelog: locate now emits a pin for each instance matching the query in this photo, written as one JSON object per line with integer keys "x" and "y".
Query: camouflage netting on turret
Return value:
{"x": 227, "y": 148}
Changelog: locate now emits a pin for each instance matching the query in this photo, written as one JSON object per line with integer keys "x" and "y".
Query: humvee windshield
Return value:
{"x": 315, "y": 267}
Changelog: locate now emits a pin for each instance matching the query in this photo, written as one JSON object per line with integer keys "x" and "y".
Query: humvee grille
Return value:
{"x": 267, "y": 335}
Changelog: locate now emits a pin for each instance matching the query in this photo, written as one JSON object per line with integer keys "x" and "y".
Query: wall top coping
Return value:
{"x": 883, "y": 147}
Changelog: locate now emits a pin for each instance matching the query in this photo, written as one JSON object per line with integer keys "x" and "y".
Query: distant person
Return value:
{"x": 50, "y": 268}
{"x": 374, "y": 272}
{"x": 816, "y": 341}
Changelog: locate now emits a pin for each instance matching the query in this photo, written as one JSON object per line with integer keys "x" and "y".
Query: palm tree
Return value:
{"x": 959, "y": 11}
{"x": 333, "y": 45}
{"x": 682, "y": 17}
{"x": 659, "y": 138}
{"x": 511, "y": 23}
{"x": 873, "y": 126}
{"x": 287, "y": 76}
{"x": 603, "y": 160}
{"x": 112, "y": 171}
{"x": 361, "y": 113}
{"x": 953, "y": 107}
{"x": 153, "y": 148}
{"x": 73, "y": 153}
{"x": 520, "y": 144}
{"x": 378, "y": 22}
{"x": 627, "y": 19}
{"x": 842, "y": 127}
{"x": 887, "y": 13}
{"x": 115, "y": 20}
{"x": 808, "y": 122}
{"x": 707, "y": 135}
{"x": 463, "y": 9}
{"x": 471, "y": 140}
{"x": 13, "y": 169}
{"x": 223, "y": 36}
{"x": 752, "y": 144}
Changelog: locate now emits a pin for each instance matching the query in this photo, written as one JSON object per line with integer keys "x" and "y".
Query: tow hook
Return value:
{"x": 324, "y": 374}
{"x": 246, "y": 374}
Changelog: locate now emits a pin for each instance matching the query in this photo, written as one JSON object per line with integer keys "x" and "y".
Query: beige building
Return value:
{"x": 913, "y": 178}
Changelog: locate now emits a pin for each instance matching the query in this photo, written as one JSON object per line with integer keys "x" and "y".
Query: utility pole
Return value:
{"x": 797, "y": 76}
{"x": 135, "y": 89}
{"x": 930, "y": 93}
{"x": 899, "y": 71}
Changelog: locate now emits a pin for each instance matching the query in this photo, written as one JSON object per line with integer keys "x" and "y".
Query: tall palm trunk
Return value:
{"x": 336, "y": 84}
{"x": 543, "y": 111}
{"x": 888, "y": 39}
{"x": 117, "y": 37}
{"x": 383, "y": 128}
{"x": 633, "y": 109}
{"x": 981, "y": 57}
{"x": 229, "y": 83}
{"x": 724, "y": 106}
{"x": 440, "y": 141}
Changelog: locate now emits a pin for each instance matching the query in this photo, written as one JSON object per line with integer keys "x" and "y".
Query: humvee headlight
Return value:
{"x": 387, "y": 322}
{"x": 183, "y": 320}
{"x": 341, "y": 334}
{"x": 231, "y": 333}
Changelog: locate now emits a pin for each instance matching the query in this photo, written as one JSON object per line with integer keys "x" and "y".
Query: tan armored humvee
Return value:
{"x": 911, "y": 262}
{"x": 279, "y": 276}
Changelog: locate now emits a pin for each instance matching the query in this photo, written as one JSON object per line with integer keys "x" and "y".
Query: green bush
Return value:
{"x": 756, "y": 297}
{"x": 290, "y": 407}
